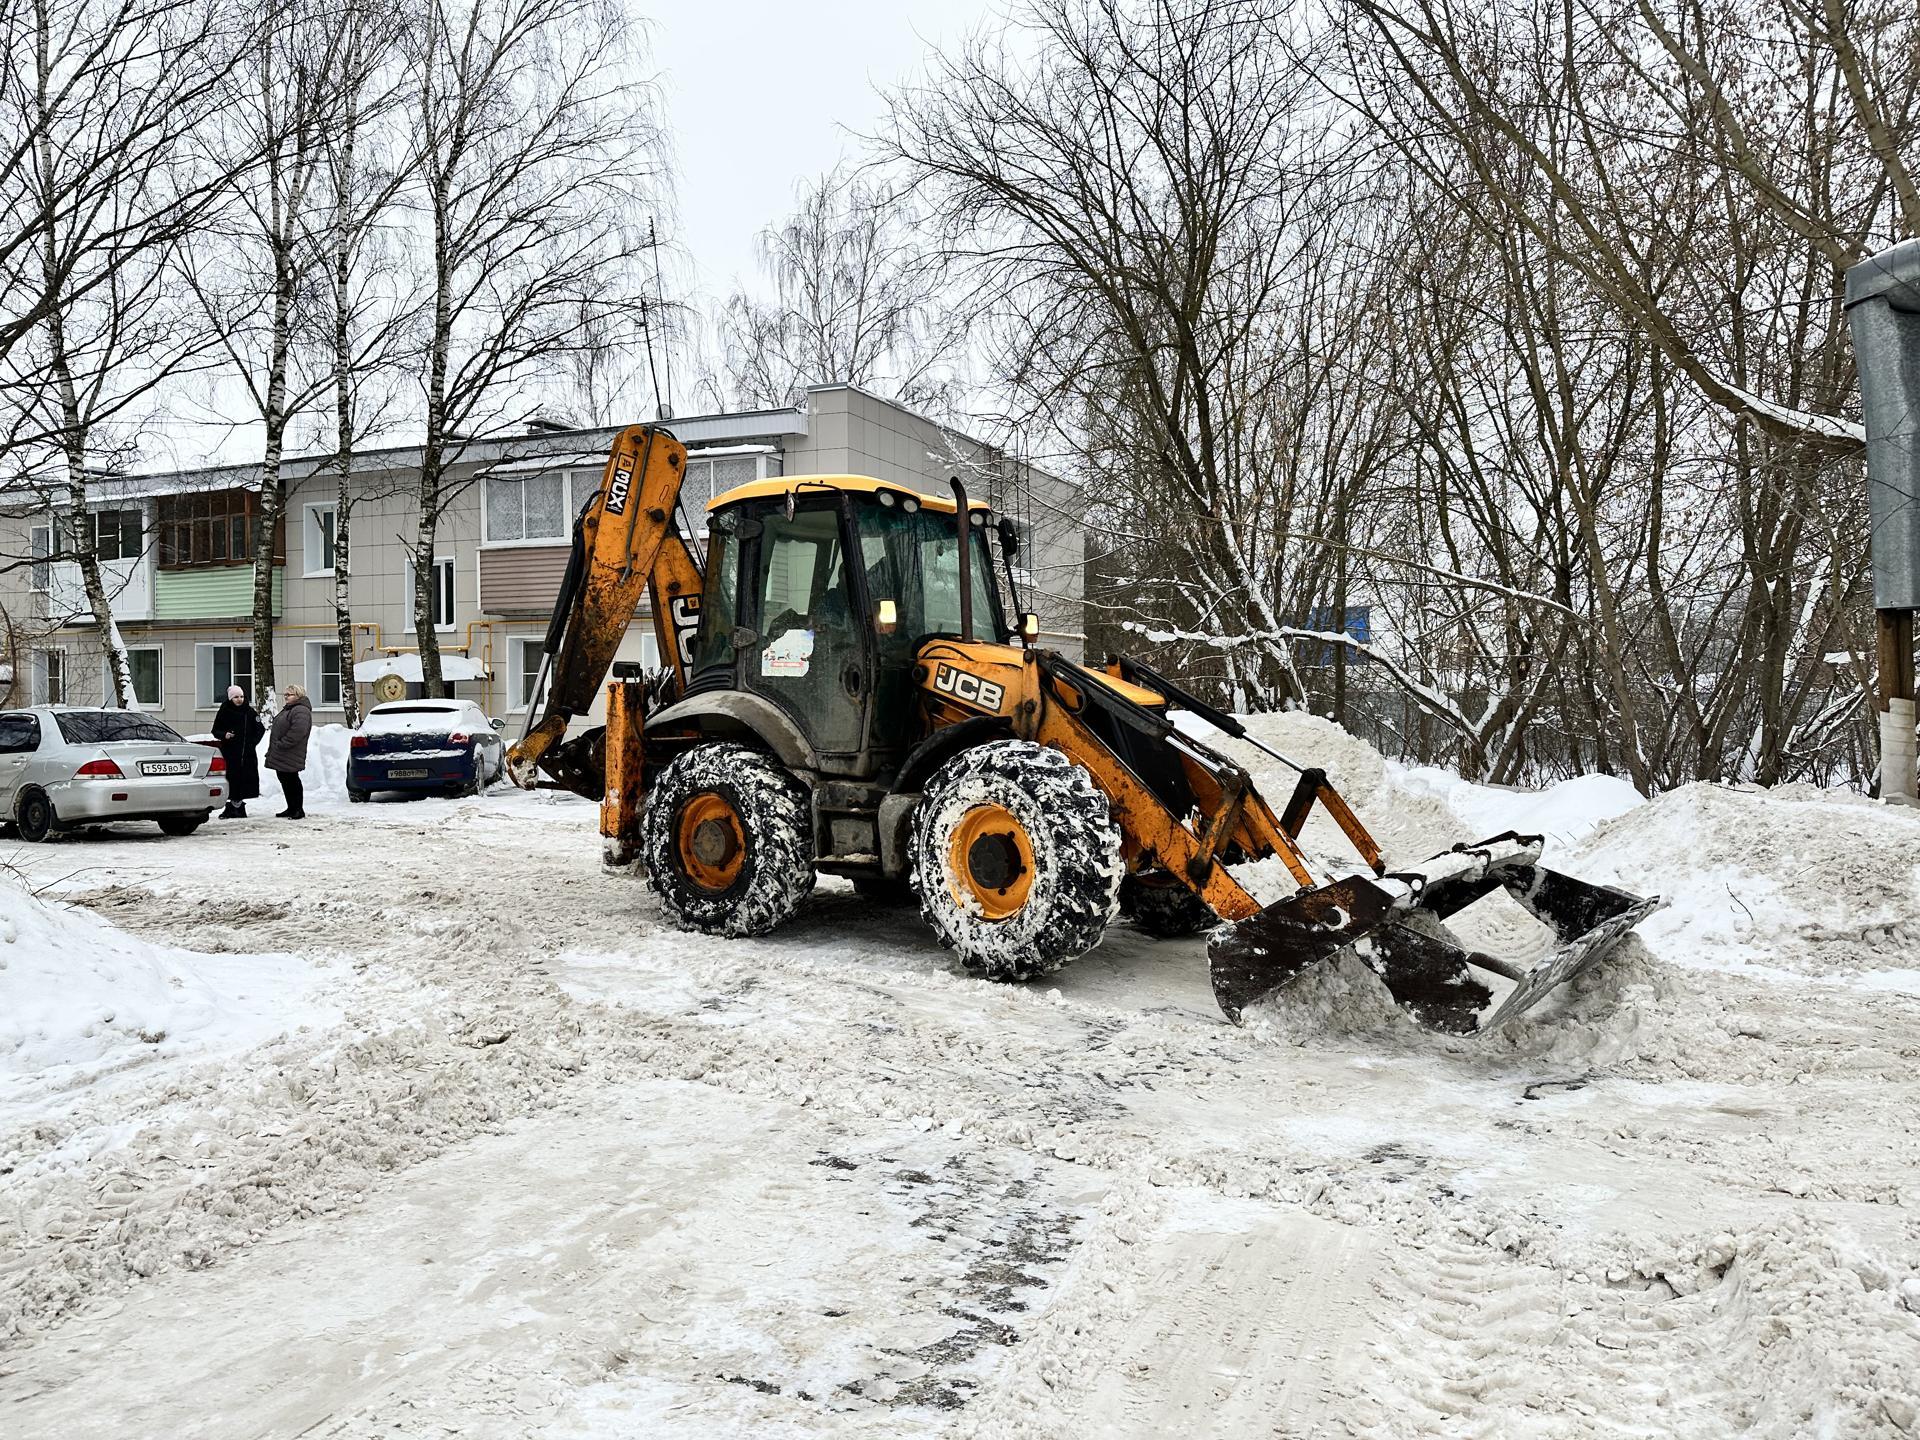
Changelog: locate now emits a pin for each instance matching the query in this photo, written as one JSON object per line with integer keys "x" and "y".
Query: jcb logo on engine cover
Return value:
{"x": 963, "y": 685}
{"x": 622, "y": 483}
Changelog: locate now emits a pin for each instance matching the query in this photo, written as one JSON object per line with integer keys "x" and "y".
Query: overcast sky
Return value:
{"x": 760, "y": 95}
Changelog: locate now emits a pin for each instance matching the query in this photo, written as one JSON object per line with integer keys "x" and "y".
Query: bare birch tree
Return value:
{"x": 536, "y": 150}
{"x": 101, "y": 186}
{"x": 257, "y": 272}
{"x": 857, "y": 299}
{"x": 371, "y": 299}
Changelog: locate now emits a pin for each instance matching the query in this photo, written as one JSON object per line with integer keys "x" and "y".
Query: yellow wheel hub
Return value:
{"x": 990, "y": 861}
{"x": 710, "y": 843}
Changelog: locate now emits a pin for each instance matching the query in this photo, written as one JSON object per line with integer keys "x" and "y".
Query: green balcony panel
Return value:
{"x": 216, "y": 592}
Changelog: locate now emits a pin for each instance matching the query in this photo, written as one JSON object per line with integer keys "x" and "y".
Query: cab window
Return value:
{"x": 713, "y": 642}
{"x": 914, "y": 560}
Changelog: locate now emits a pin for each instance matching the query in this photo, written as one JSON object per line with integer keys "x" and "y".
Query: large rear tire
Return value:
{"x": 727, "y": 841}
{"x": 1016, "y": 859}
{"x": 182, "y": 824}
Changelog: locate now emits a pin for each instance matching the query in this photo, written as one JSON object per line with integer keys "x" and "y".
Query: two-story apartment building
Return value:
{"x": 176, "y": 552}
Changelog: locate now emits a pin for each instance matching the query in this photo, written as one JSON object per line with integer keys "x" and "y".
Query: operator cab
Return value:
{"x": 819, "y": 592}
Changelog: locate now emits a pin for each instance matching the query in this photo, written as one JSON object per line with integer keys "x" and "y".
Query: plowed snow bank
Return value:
{"x": 1812, "y": 881}
{"x": 79, "y": 998}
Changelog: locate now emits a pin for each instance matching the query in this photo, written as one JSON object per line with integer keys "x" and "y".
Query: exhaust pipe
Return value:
{"x": 962, "y": 528}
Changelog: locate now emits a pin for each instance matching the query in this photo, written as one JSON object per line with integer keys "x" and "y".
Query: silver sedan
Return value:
{"x": 63, "y": 766}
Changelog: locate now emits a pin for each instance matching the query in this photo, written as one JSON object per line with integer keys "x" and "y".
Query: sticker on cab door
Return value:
{"x": 789, "y": 654}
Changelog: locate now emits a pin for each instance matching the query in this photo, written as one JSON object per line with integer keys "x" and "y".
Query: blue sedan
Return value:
{"x": 442, "y": 747}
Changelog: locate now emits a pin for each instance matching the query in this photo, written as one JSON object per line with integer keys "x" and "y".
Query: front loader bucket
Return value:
{"x": 1393, "y": 925}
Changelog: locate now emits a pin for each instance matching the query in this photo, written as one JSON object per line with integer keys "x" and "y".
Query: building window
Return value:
{"x": 217, "y": 667}
{"x": 442, "y": 593}
{"x": 117, "y": 534}
{"x": 715, "y": 475}
{"x": 526, "y": 508}
{"x": 523, "y": 673}
{"x": 50, "y": 676}
{"x": 323, "y": 673}
{"x": 318, "y": 539}
{"x": 42, "y": 572}
{"x": 145, "y": 663}
{"x": 212, "y": 527}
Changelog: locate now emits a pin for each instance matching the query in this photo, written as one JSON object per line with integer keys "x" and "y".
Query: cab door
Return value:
{"x": 809, "y": 653}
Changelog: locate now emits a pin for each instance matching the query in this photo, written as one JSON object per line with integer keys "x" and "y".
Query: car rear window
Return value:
{"x": 379, "y": 710}
{"x": 103, "y": 727}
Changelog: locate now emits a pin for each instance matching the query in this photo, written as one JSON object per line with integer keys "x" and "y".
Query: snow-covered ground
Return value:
{"x": 410, "y": 1120}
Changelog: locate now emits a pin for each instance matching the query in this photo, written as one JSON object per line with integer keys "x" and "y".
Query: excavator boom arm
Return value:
{"x": 625, "y": 545}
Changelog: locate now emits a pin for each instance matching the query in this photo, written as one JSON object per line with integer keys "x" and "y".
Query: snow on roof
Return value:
{"x": 407, "y": 667}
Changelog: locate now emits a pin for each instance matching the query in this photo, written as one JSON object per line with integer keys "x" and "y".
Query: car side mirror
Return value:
{"x": 498, "y": 724}
{"x": 886, "y": 617}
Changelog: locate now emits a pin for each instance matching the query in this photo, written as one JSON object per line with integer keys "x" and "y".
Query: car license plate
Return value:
{"x": 407, "y": 774}
{"x": 166, "y": 767}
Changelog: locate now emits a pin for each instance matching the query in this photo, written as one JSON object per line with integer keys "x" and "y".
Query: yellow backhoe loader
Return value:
{"x": 845, "y": 693}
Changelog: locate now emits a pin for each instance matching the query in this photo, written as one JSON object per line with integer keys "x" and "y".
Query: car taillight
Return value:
{"x": 359, "y": 742}
{"x": 459, "y": 737}
{"x": 101, "y": 769}
{"x": 219, "y": 765}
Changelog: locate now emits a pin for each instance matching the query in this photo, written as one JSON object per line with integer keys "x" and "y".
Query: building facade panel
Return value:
{"x": 499, "y": 554}
{"x": 213, "y": 594}
{"x": 521, "y": 581}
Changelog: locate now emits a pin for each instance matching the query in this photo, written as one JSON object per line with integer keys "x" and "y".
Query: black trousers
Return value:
{"x": 296, "y": 797}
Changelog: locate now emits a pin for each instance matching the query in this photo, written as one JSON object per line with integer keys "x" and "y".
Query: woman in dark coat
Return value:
{"x": 287, "y": 750}
{"x": 238, "y": 729}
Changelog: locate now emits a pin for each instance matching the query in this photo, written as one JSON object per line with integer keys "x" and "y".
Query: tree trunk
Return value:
{"x": 433, "y": 452}
{"x": 73, "y": 424}
{"x": 272, "y": 485}
{"x": 343, "y": 421}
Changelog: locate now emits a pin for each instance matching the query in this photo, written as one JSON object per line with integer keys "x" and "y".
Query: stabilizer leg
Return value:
{"x": 625, "y": 762}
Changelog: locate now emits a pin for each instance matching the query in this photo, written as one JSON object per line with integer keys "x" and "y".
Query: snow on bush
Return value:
{"x": 79, "y": 998}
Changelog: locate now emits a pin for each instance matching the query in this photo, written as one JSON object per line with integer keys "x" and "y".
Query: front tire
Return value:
{"x": 1016, "y": 859}
{"x": 727, "y": 841}
{"x": 34, "y": 817}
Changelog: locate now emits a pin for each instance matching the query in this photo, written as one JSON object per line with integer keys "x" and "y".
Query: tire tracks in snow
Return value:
{"x": 480, "y": 1008}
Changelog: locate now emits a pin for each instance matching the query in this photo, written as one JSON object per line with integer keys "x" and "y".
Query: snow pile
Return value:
{"x": 1815, "y": 882}
{"x": 79, "y": 999}
{"x": 1564, "y": 812}
{"x": 1417, "y": 811}
{"x": 325, "y": 774}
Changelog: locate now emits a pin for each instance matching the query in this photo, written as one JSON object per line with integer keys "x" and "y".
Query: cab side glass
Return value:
{"x": 713, "y": 642}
